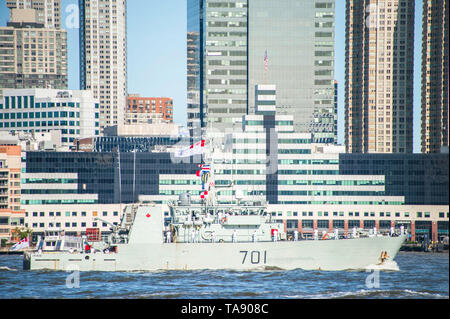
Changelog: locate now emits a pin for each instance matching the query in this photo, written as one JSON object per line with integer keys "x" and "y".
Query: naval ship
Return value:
{"x": 183, "y": 235}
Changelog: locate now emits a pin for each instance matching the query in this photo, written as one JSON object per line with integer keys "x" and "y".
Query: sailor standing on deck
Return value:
{"x": 295, "y": 235}
{"x": 213, "y": 236}
{"x": 392, "y": 231}
{"x": 275, "y": 235}
{"x": 168, "y": 238}
{"x": 234, "y": 236}
{"x": 354, "y": 232}
{"x": 254, "y": 236}
{"x": 316, "y": 234}
{"x": 336, "y": 234}
{"x": 375, "y": 231}
{"x": 192, "y": 235}
{"x": 402, "y": 229}
{"x": 197, "y": 235}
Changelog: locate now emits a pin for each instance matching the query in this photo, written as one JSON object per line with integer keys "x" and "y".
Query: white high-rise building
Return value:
{"x": 103, "y": 56}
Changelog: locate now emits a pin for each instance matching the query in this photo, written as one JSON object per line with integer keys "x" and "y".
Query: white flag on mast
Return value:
{"x": 21, "y": 244}
{"x": 194, "y": 149}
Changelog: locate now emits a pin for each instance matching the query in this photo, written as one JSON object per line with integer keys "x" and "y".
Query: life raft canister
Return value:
{"x": 326, "y": 236}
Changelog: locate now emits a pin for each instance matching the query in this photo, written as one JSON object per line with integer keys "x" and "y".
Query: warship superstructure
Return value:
{"x": 186, "y": 236}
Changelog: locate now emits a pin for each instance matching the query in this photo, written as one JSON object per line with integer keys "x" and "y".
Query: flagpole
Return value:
{"x": 266, "y": 62}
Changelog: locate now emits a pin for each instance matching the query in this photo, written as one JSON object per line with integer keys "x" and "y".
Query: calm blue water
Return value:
{"x": 421, "y": 275}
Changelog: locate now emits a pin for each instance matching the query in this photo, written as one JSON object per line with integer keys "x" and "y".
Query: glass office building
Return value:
{"x": 217, "y": 62}
{"x": 98, "y": 173}
{"x": 297, "y": 39}
{"x": 234, "y": 45}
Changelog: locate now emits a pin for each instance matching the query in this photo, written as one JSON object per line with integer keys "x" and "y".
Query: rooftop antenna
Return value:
{"x": 266, "y": 62}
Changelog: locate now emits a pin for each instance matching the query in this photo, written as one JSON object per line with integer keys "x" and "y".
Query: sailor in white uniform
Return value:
{"x": 213, "y": 236}
{"x": 295, "y": 235}
{"x": 336, "y": 234}
{"x": 354, "y": 232}
{"x": 392, "y": 231}
{"x": 275, "y": 235}
{"x": 168, "y": 238}
{"x": 234, "y": 236}
{"x": 316, "y": 234}
{"x": 375, "y": 231}
{"x": 192, "y": 235}
{"x": 197, "y": 235}
{"x": 402, "y": 229}
{"x": 254, "y": 236}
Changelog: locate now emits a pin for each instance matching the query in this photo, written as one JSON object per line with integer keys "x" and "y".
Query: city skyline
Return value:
{"x": 168, "y": 60}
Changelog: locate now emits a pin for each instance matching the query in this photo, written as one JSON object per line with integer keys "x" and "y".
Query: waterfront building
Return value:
{"x": 145, "y": 110}
{"x": 46, "y": 12}
{"x": 435, "y": 121}
{"x": 32, "y": 56}
{"x": 11, "y": 213}
{"x": 379, "y": 76}
{"x": 74, "y": 113}
{"x": 98, "y": 173}
{"x": 234, "y": 45}
{"x": 423, "y": 179}
{"x": 53, "y": 189}
{"x": 73, "y": 218}
{"x": 103, "y": 57}
{"x": 422, "y": 222}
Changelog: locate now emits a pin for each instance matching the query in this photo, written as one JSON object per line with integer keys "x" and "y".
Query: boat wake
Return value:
{"x": 5, "y": 268}
{"x": 388, "y": 265}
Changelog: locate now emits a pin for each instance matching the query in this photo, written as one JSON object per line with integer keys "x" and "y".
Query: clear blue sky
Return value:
{"x": 157, "y": 54}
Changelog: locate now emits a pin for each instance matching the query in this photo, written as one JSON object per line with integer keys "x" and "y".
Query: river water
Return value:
{"x": 421, "y": 276}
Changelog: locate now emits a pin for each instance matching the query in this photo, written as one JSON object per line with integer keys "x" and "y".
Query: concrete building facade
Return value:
{"x": 32, "y": 57}
{"x": 72, "y": 112}
{"x": 103, "y": 56}
{"x": 145, "y": 110}
{"x": 435, "y": 121}
{"x": 379, "y": 76}
{"x": 11, "y": 214}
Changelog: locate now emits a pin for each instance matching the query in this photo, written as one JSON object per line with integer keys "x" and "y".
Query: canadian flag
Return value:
{"x": 194, "y": 149}
{"x": 21, "y": 244}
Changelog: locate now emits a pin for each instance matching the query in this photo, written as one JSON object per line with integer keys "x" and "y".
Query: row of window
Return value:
{"x": 357, "y": 214}
{"x": 70, "y": 214}
{"x": 57, "y": 201}
{"x": 42, "y": 124}
{"x": 43, "y": 115}
{"x": 66, "y": 225}
{"x": 10, "y": 102}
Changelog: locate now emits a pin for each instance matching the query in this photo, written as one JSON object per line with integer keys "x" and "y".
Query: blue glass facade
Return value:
{"x": 421, "y": 178}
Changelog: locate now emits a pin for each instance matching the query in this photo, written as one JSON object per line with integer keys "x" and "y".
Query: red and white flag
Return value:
{"x": 21, "y": 244}
{"x": 194, "y": 149}
{"x": 203, "y": 194}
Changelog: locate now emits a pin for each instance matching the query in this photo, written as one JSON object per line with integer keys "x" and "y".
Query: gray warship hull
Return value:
{"x": 146, "y": 251}
{"x": 360, "y": 253}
